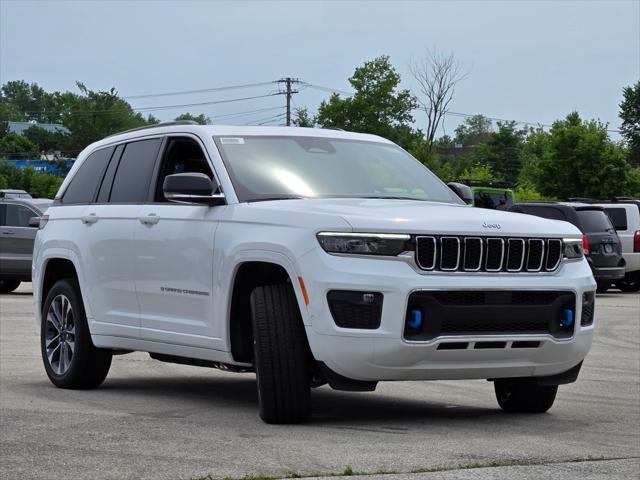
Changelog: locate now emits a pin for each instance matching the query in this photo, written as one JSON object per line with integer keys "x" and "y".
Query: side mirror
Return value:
{"x": 463, "y": 191}
{"x": 34, "y": 222}
{"x": 191, "y": 188}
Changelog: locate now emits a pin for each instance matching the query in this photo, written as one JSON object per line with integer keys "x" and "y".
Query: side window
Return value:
{"x": 18, "y": 215}
{"x": 84, "y": 183}
{"x": 107, "y": 181}
{"x": 618, "y": 217}
{"x": 131, "y": 182}
{"x": 182, "y": 155}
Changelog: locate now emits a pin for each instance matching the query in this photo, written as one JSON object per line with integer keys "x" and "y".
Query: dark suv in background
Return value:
{"x": 17, "y": 234}
{"x": 601, "y": 244}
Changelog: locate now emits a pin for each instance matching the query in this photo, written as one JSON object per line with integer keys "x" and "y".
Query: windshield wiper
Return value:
{"x": 281, "y": 197}
{"x": 391, "y": 197}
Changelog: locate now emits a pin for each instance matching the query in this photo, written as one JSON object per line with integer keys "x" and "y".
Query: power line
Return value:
{"x": 202, "y": 90}
{"x": 326, "y": 89}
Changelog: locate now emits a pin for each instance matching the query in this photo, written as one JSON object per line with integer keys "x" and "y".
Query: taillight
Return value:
{"x": 636, "y": 242}
{"x": 585, "y": 244}
{"x": 43, "y": 221}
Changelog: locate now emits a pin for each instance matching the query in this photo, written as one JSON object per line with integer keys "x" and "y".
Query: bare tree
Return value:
{"x": 437, "y": 75}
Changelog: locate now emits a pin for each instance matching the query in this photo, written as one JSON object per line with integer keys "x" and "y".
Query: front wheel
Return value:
{"x": 281, "y": 355}
{"x": 8, "y": 286}
{"x": 70, "y": 358}
{"x": 524, "y": 395}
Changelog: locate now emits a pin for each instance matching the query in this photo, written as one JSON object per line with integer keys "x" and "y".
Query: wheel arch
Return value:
{"x": 247, "y": 275}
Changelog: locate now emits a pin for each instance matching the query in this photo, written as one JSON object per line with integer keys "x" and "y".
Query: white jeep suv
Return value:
{"x": 308, "y": 256}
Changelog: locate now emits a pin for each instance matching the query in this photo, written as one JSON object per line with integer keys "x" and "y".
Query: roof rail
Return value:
{"x": 483, "y": 183}
{"x": 163, "y": 124}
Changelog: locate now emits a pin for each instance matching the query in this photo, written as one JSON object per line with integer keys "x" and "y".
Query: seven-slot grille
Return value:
{"x": 488, "y": 254}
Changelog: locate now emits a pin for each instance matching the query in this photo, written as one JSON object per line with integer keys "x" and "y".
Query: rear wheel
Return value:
{"x": 281, "y": 355}
{"x": 629, "y": 283}
{"x": 524, "y": 395}
{"x": 70, "y": 358}
{"x": 8, "y": 286}
{"x": 603, "y": 287}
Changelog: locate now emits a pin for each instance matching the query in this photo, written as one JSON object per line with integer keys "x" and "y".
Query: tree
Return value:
{"x": 16, "y": 147}
{"x": 437, "y": 75}
{"x": 378, "y": 106}
{"x": 93, "y": 115}
{"x": 473, "y": 131}
{"x": 301, "y": 118}
{"x": 200, "y": 119}
{"x": 502, "y": 151}
{"x": 630, "y": 115}
{"x": 581, "y": 161}
{"x": 45, "y": 140}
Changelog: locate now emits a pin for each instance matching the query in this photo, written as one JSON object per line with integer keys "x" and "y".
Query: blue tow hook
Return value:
{"x": 567, "y": 320}
{"x": 415, "y": 322}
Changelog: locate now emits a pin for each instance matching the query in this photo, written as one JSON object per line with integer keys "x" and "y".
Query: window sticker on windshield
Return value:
{"x": 232, "y": 140}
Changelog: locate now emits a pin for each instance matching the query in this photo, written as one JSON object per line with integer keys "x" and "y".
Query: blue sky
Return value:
{"x": 532, "y": 61}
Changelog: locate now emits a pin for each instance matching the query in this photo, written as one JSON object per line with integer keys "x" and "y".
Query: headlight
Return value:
{"x": 572, "y": 248}
{"x": 389, "y": 244}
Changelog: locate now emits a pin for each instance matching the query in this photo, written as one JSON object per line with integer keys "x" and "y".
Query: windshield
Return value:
{"x": 279, "y": 167}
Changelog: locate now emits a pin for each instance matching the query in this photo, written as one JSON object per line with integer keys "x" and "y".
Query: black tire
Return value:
{"x": 281, "y": 355}
{"x": 524, "y": 395}
{"x": 86, "y": 366}
{"x": 603, "y": 287}
{"x": 629, "y": 284}
{"x": 8, "y": 286}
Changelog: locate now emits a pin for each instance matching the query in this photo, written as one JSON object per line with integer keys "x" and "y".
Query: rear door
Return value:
{"x": 604, "y": 244}
{"x": 16, "y": 240}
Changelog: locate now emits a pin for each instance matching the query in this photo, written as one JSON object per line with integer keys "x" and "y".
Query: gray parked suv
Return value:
{"x": 16, "y": 238}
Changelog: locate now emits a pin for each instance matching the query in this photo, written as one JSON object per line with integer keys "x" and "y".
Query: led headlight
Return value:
{"x": 389, "y": 244}
{"x": 572, "y": 248}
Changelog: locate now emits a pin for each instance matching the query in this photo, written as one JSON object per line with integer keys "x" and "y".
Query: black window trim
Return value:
{"x": 156, "y": 170}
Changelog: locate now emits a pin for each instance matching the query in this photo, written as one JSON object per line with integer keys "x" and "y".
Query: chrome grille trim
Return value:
{"x": 464, "y": 261}
{"x": 442, "y": 241}
{"x": 550, "y": 242}
{"x": 435, "y": 251}
{"x": 514, "y": 241}
{"x": 489, "y": 251}
{"x": 539, "y": 267}
{"x": 449, "y": 253}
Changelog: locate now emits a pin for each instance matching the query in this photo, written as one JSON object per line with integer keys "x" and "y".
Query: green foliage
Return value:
{"x": 199, "y": 119}
{"x": 581, "y": 160}
{"x": 473, "y": 131}
{"x": 37, "y": 184}
{"x": 527, "y": 192}
{"x": 378, "y": 106}
{"x": 479, "y": 172}
{"x": 45, "y": 140}
{"x": 301, "y": 118}
{"x": 15, "y": 147}
{"x": 502, "y": 150}
{"x": 630, "y": 115}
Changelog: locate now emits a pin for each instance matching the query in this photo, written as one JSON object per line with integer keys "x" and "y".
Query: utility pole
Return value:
{"x": 288, "y": 81}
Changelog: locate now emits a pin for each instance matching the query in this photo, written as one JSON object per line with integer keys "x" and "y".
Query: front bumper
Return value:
{"x": 383, "y": 353}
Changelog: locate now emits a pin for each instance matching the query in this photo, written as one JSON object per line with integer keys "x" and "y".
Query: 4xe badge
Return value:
{"x": 497, "y": 226}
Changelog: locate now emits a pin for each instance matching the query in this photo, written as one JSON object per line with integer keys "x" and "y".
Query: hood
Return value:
{"x": 411, "y": 216}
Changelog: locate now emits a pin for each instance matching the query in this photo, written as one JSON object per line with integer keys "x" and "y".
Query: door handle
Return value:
{"x": 150, "y": 219}
{"x": 9, "y": 233}
{"x": 89, "y": 219}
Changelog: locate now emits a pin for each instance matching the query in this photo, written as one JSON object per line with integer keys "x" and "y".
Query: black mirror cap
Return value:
{"x": 187, "y": 184}
{"x": 463, "y": 191}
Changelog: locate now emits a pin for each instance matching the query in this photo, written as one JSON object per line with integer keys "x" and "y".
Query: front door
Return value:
{"x": 174, "y": 257}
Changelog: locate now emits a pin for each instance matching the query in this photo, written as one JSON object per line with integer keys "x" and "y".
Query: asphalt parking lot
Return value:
{"x": 152, "y": 420}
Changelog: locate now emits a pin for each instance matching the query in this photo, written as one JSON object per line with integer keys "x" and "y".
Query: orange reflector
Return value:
{"x": 304, "y": 291}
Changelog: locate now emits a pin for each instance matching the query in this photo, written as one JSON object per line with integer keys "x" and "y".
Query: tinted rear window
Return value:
{"x": 546, "y": 212}
{"x": 618, "y": 217}
{"x": 84, "y": 183}
{"x": 493, "y": 200}
{"x": 131, "y": 183}
{"x": 594, "y": 221}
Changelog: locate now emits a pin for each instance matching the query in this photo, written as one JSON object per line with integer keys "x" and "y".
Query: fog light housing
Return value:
{"x": 352, "y": 309}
